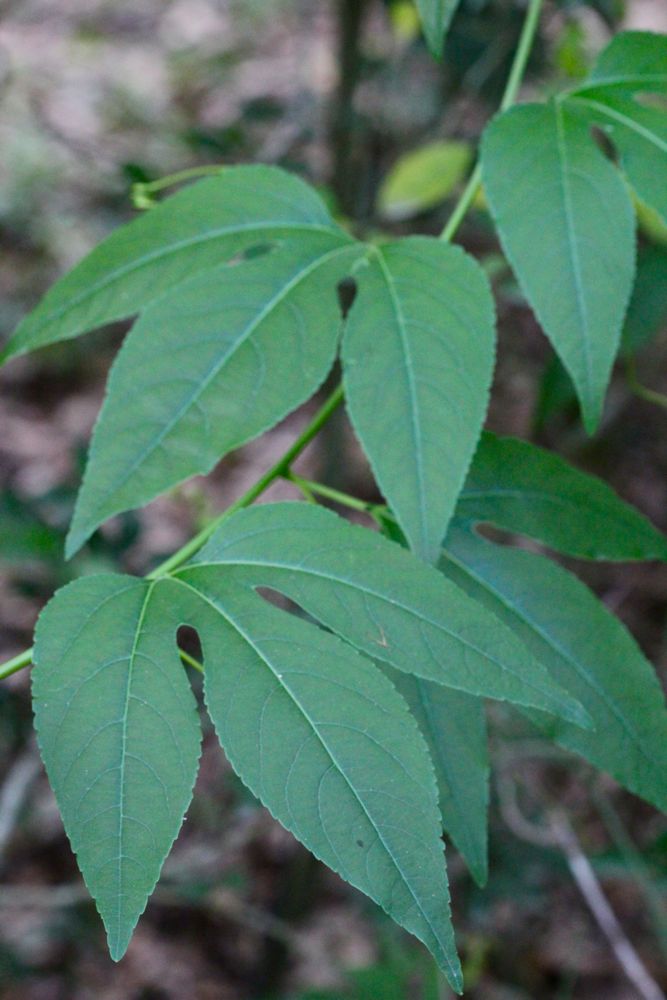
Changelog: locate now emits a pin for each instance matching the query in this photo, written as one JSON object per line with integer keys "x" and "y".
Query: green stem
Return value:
{"x": 143, "y": 191}
{"x": 642, "y": 391}
{"x": 275, "y": 472}
{"x": 463, "y": 204}
{"x": 12, "y": 666}
{"x": 308, "y": 487}
{"x": 517, "y": 71}
{"x": 190, "y": 661}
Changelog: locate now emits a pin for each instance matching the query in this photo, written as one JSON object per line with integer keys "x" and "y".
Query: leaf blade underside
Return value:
{"x": 119, "y": 734}
{"x": 327, "y": 744}
{"x": 585, "y": 647}
{"x": 197, "y": 228}
{"x": 382, "y": 600}
{"x": 418, "y": 355}
{"x": 566, "y": 224}
{"x": 224, "y": 357}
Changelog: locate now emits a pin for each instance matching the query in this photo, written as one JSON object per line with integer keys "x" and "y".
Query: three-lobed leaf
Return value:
{"x": 209, "y": 366}
{"x": 119, "y": 735}
{"x": 418, "y": 354}
{"x": 584, "y": 647}
{"x": 522, "y": 488}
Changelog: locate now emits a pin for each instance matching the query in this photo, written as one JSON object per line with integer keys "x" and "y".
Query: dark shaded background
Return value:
{"x": 96, "y": 94}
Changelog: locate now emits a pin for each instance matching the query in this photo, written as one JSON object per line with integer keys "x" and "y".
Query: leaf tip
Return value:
{"x": 74, "y": 541}
{"x": 118, "y": 944}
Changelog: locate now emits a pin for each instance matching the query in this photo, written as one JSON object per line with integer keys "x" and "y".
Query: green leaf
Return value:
{"x": 522, "y": 488}
{"x": 119, "y": 735}
{"x": 585, "y": 648}
{"x": 454, "y": 726}
{"x": 423, "y": 178}
{"x": 566, "y": 223}
{"x": 200, "y": 227}
{"x": 435, "y": 16}
{"x": 382, "y": 600}
{"x": 208, "y": 367}
{"x": 647, "y": 312}
{"x": 418, "y": 354}
{"x": 640, "y": 136}
{"x": 327, "y": 744}
{"x": 634, "y": 61}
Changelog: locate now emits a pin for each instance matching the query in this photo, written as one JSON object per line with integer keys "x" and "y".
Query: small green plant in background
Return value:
{"x": 361, "y": 727}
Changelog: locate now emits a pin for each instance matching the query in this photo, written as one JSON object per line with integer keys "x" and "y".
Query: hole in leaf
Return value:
{"x": 604, "y": 143}
{"x": 188, "y": 641}
{"x": 347, "y": 293}
{"x": 286, "y": 604}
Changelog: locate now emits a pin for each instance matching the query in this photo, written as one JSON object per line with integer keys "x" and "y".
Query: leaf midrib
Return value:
{"x": 624, "y": 120}
{"x": 524, "y": 680}
{"x": 582, "y": 307}
{"x": 123, "y": 757}
{"x": 137, "y": 264}
{"x": 280, "y": 680}
{"x": 219, "y": 364}
{"x": 555, "y": 646}
{"x": 414, "y": 407}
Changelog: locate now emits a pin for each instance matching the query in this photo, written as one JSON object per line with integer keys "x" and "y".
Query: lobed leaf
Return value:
{"x": 566, "y": 223}
{"x": 585, "y": 648}
{"x": 119, "y": 735}
{"x": 381, "y": 599}
{"x": 522, "y": 488}
{"x": 422, "y": 326}
{"x": 209, "y": 366}
{"x": 327, "y": 744}
{"x": 200, "y": 227}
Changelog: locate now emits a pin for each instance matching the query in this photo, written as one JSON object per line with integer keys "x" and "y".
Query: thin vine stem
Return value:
{"x": 514, "y": 81}
{"x": 281, "y": 468}
{"x": 17, "y": 663}
{"x": 309, "y": 487}
{"x": 640, "y": 390}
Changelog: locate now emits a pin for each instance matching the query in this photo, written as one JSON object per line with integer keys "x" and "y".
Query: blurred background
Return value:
{"x": 98, "y": 95}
